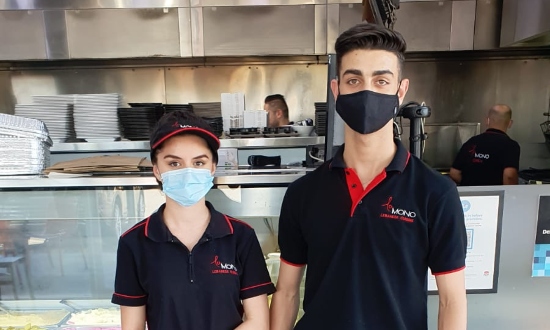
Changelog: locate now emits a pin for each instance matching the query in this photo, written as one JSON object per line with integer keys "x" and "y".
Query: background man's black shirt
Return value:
{"x": 483, "y": 158}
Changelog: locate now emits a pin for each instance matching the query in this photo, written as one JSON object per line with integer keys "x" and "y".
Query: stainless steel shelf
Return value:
{"x": 144, "y": 181}
{"x": 289, "y": 142}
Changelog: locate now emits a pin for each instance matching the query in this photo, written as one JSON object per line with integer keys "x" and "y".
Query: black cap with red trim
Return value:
{"x": 180, "y": 122}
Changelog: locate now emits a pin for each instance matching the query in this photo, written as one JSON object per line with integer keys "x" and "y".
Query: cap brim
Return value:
{"x": 210, "y": 138}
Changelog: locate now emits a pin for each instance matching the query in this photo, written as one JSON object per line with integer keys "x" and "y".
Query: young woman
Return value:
{"x": 189, "y": 266}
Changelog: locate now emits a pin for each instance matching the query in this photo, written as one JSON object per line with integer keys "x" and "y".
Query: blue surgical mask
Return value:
{"x": 187, "y": 186}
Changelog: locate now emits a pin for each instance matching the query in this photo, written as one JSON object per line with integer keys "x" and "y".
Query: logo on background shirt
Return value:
{"x": 397, "y": 213}
{"x": 478, "y": 157}
{"x": 222, "y": 267}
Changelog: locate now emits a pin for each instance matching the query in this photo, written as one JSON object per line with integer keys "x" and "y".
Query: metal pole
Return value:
{"x": 416, "y": 137}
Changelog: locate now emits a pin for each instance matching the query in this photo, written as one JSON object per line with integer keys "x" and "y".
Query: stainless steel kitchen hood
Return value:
{"x": 525, "y": 23}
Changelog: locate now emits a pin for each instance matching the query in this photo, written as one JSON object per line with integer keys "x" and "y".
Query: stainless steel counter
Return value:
{"x": 251, "y": 143}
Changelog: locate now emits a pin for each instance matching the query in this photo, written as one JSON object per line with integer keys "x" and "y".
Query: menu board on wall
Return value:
{"x": 541, "y": 256}
{"x": 483, "y": 219}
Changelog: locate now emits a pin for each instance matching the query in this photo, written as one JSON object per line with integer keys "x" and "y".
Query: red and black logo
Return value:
{"x": 391, "y": 212}
{"x": 223, "y": 268}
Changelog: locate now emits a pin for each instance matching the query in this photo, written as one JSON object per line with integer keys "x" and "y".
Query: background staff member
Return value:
{"x": 491, "y": 158}
{"x": 369, "y": 222}
{"x": 277, "y": 110}
{"x": 189, "y": 266}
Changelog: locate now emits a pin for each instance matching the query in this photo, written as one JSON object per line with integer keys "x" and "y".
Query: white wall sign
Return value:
{"x": 482, "y": 215}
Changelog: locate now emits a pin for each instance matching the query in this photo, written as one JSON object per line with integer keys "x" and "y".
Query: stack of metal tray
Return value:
{"x": 24, "y": 146}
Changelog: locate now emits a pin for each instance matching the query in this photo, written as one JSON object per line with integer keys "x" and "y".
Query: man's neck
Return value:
{"x": 497, "y": 128}
{"x": 370, "y": 154}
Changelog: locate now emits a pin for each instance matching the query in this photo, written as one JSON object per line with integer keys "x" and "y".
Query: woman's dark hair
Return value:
{"x": 370, "y": 37}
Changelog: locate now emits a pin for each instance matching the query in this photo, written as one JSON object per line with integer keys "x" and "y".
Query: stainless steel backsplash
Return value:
{"x": 456, "y": 90}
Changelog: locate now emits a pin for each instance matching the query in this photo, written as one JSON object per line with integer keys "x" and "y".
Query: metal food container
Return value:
{"x": 44, "y": 314}
{"x": 24, "y": 146}
{"x": 92, "y": 315}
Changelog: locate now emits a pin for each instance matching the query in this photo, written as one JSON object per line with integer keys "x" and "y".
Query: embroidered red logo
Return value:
{"x": 176, "y": 124}
{"x": 223, "y": 268}
{"x": 388, "y": 205}
{"x": 396, "y": 213}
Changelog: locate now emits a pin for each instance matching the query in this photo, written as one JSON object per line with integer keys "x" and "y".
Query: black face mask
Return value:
{"x": 366, "y": 111}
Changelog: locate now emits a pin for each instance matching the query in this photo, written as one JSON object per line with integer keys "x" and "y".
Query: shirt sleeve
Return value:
{"x": 291, "y": 239}
{"x": 447, "y": 235}
{"x": 128, "y": 290}
{"x": 254, "y": 277}
{"x": 511, "y": 158}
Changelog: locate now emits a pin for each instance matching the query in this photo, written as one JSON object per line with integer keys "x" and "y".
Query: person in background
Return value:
{"x": 491, "y": 158}
{"x": 188, "y": 266}
{"x": 370, "y": 222}
{"x": 277, "y": 111}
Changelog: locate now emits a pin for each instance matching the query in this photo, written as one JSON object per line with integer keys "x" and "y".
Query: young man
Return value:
{"x": 369, "y": 222}
{"x": 491, "y": 158}
{"x": 277, "y": 110}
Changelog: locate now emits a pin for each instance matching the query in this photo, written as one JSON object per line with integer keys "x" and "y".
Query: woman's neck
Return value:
{"x": 179, "y": 217}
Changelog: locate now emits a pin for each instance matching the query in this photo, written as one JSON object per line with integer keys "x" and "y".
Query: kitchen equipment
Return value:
{"x": 303, "y": 130}
{"x": 263, "y": 161}
{"x": 315, "y": 155}
{"x": 305, "y": 122}
{"x": 268, "y": 132}
{"x": 545, "y": 127}
{"x": 321, "y": 118}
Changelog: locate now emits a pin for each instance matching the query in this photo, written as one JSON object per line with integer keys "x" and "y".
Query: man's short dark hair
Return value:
{"x": 369, "y": 36}
{"x": 277, "y": 101}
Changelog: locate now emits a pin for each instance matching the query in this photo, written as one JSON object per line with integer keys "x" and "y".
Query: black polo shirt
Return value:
{"x": 368, "y": 251}
{"x": 201, "y": 289}
{"x": 483, "y": 158}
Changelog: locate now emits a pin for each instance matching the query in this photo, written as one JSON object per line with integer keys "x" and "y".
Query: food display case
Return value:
{"x": 58, "y": 239}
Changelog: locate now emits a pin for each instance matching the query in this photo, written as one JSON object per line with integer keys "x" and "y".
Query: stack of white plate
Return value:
{"x": 95, "y": 117}
{"x": 54, "y": 111}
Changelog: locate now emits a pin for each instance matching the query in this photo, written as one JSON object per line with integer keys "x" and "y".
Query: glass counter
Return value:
{"x": 58, "y": 237}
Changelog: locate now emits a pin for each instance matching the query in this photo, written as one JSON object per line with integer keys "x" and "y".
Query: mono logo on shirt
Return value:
{"x": 222, "y": 267}
{"x": 397, "y": 213}
{"x": 478, "y": 157}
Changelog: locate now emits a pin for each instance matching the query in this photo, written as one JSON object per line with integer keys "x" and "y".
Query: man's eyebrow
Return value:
{"x": 354, "y": 72}
{"x": 381, "y": 73}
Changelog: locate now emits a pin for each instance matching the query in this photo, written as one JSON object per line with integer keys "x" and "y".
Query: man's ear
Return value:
{"x": 403, "y": 88}
{"x": 510, "y": 123}
{"x": 279, "y": 113}
{"x": 334, "y": 88}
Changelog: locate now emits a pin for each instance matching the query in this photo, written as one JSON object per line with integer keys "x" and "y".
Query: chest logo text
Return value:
{"x": 222, "y": 267}
{"x": 397, "y": 213}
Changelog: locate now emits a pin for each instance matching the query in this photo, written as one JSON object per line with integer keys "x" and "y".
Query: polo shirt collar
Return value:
{"x": 494, "y": 130}
{"x": 398, "y": 163}
{"x": 156, "y": 230}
